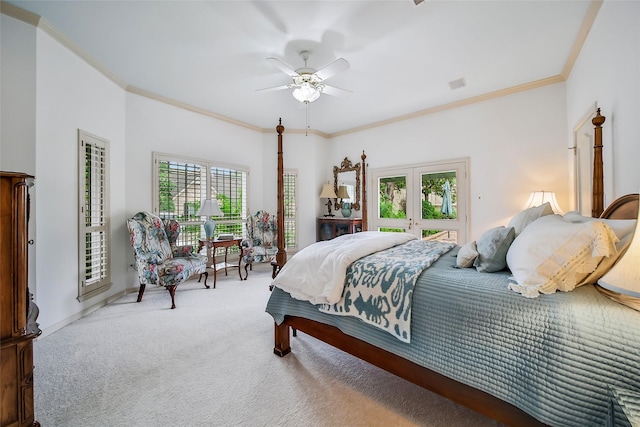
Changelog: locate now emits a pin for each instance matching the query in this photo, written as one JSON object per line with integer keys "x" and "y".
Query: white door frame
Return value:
{"x": 413, "y": 223}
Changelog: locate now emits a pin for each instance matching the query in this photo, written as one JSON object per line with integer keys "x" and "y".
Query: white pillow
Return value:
{"x": 466, "y": 255}
{"x": 553, "y": 254}
{"x": 622, "y": 227}
{"x": 527, "y": 216}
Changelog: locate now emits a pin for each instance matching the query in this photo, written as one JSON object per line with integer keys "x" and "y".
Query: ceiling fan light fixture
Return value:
{"x": 307, "y": 92}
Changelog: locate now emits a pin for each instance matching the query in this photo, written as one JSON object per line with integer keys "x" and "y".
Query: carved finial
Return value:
{"x": 280, "y": 128}
{"x": 598, "y": 120}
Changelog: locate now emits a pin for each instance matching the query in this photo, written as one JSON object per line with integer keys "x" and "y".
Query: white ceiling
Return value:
{"x": 211, "y": 54}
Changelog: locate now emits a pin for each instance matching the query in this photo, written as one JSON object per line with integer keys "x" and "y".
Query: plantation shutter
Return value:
{"x": 94, "y": 232}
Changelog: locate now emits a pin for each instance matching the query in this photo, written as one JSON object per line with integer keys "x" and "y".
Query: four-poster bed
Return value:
{"x": 558, "y": 374}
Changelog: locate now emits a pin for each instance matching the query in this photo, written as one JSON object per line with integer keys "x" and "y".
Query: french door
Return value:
{"x": 427, "y": 200}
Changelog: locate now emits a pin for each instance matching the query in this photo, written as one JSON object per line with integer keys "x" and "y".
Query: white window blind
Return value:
{"x": 181, "y": 184}
{"x": 94, "y": 227}
{"x": 290, "y": 208}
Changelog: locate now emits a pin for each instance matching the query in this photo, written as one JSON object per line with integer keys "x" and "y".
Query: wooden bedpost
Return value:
{"x": 365, "y": 225}
{"x": 282, "y": 345}
{"x": 281, "y": 256}
{"x": 598, "y": 176}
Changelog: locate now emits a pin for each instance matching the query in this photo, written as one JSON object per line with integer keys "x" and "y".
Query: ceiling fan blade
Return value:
{"x": 332, "y": 69}
{"x": 335, "y": 91}
{"x": 273, "y": 89}
{"x": 282, "y": 67}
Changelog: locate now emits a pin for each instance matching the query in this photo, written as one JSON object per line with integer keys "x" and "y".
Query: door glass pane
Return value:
{"x": 392, "y": 230}
{"x": 439, "y": 192}
{"x": 440, "y": 235}
{"x": 392, "y": 197}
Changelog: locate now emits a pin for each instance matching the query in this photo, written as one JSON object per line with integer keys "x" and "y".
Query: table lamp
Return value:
{"x": 538, "y": 198}
{"x": 209, "y": 208}
{"x": 328, "y": 193}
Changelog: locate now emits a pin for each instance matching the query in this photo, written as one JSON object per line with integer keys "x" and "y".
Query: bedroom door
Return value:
{"x": 426, "y": 200}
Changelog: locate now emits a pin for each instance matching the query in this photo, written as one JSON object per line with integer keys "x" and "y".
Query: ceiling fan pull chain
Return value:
{"x": 307, "y": 113}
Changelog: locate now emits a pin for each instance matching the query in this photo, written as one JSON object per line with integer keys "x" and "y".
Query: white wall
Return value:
{"x": 516, "y": 144}
{"x": 18, "y": 96}
{"x": 18, "y": 109}
{"x": 608, "y": 72}
{"x": 71, "y": 95}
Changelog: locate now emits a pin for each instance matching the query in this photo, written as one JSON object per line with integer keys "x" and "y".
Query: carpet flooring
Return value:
{"x": 210, "y": 362}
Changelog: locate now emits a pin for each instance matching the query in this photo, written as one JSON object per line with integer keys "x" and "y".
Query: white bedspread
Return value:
{"x": 316, "y": 273}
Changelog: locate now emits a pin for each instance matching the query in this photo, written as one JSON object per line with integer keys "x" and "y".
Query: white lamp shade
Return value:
{"x": 342, "y": 192}
{"x": 538, "y": 198}
{"x": 328, "y": 192}
{"x": 623, "y": 280}
{"x": 209, "y": 207}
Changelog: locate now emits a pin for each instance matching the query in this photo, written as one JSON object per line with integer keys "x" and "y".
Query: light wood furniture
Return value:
{"x": 211, "y": 246}
{"x": 18, "y": 312}
{"x": 624, "y": 208}
{"x": 330, "y": 228}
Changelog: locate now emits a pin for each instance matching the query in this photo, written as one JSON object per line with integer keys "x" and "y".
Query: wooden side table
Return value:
{"x": 212, "y": 245}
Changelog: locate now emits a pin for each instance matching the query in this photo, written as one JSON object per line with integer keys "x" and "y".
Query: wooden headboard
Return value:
{"x": 625, "y": 207}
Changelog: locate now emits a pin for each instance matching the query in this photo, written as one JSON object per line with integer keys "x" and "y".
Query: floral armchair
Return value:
{"x": 158, "y": 260}
{"x": 260, "y": 245}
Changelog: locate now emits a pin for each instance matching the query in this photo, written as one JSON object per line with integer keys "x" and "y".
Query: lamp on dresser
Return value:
{"x": 328, "y": 193}
{"x": 209, "y": 208}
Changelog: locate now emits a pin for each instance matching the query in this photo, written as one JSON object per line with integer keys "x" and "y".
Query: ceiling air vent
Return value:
{"x": 457, "y": 84}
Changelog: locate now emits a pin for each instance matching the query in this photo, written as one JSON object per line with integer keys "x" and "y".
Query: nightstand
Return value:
{"x": 624, "y": 407}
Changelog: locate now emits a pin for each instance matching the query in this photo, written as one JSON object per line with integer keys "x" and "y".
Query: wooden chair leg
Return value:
{"x": 141, "y": 292}
{"x": 206, "y": 276}
{"x": 172, "y": 292}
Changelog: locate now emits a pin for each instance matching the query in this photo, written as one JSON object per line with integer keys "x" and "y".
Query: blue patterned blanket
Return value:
{"x": 379, "y": 287}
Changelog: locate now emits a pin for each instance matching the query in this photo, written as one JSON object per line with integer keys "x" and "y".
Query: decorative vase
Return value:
{"x": 346, "y": 209}
{"x": 209, "y": 229}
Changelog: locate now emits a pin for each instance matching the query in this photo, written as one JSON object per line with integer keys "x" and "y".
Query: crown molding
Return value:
{"x": 456, "y": 104}
{"x": 184, "y": 105}
{"x": 19, "y": 14}
{"x": 587, "y": 23}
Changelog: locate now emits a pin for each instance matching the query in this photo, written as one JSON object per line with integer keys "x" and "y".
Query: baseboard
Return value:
{"x": 69, "y": 320}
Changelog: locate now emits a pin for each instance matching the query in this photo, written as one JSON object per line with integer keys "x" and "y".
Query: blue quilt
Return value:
{"x": 379, "y": 287}
{"x": 554, "y": 356}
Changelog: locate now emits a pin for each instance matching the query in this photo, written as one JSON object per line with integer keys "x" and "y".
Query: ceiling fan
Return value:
{"x": 308, "y": 83}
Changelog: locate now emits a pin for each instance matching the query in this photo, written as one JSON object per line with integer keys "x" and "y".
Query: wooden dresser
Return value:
{"x": 331, "y": 227}
{"x": 18, "y": 312}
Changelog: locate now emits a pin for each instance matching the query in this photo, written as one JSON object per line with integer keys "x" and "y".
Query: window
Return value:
{"x": 290, "y": 208}
{"x": 181, "y": 184}
{"x": 94, "y": 229}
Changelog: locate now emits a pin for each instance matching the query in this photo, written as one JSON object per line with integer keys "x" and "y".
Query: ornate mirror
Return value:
{"x": 347, "y": 172}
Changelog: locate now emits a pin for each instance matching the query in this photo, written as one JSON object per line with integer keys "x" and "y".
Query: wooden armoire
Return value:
{"x": 18, "y": 312}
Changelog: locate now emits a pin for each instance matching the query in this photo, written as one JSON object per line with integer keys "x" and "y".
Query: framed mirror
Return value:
{"x": 347, "y": 172}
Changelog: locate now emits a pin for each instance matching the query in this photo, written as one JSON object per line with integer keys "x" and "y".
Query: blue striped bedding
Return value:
{"x": 554, "y": 356}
